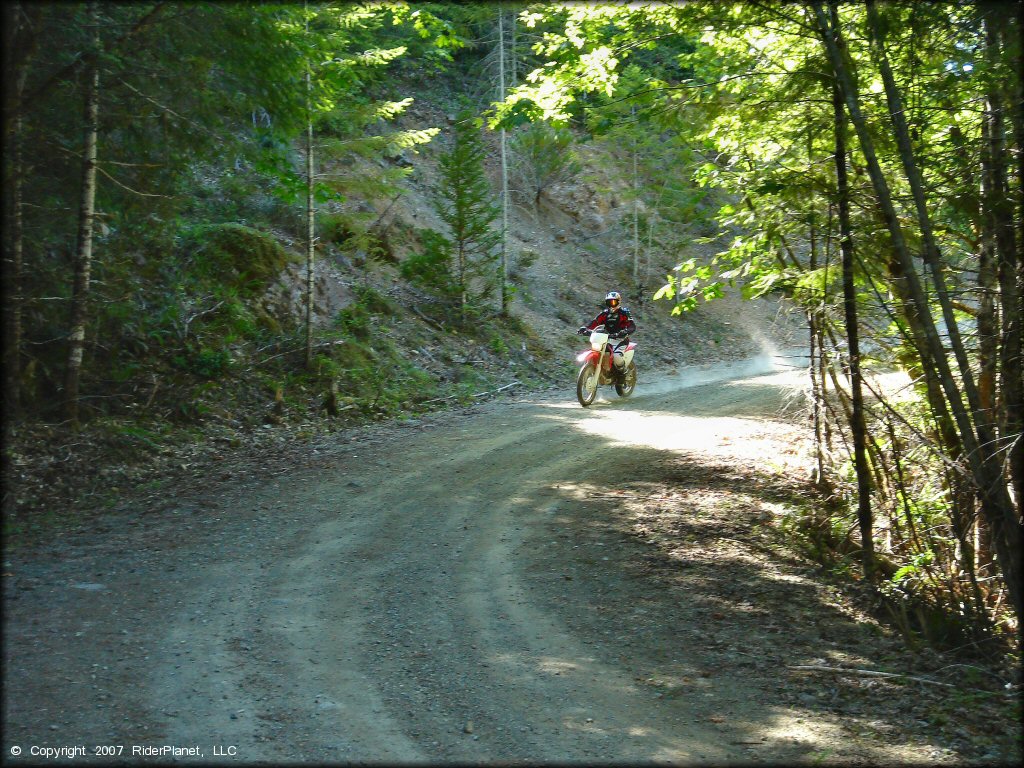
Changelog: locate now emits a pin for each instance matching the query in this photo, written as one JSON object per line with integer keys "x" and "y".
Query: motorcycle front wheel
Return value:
{"x": 625, "y": 386}
{"x": 586, "y": 384}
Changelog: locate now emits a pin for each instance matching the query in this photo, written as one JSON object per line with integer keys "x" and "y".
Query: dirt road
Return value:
{"x": 527, "y": 581}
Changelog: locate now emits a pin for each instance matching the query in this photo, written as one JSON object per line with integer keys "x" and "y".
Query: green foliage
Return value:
{"x": 464, "y": 201}
{"x": 686, "y": 290}
{"x": 356, "y": 320}
{"x": 498, "y": 345}
{"x": 374, "y": 301}
{"x": 233, "y": 255}
{"x": 370, "y": 371}
{"x": 335, "y": 228}
{"x": 206, "y": 363}
{"x": 915, "y": 568}
{"x": 542, "y": 155}
{"x": 431, "y": 265}
{"x": 527, "y": 258}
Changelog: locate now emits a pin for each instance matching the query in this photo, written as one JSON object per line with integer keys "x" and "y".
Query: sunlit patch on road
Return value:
{"x": 650, "y": 423}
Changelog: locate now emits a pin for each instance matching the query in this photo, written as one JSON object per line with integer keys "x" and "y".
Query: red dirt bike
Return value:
{"x": 602, "y": 364}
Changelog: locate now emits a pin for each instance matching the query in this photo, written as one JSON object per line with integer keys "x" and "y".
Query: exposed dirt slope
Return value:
{"x": 527, "y": 581}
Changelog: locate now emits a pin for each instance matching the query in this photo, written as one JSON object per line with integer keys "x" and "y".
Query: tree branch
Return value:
{"x": 68, "y": 71}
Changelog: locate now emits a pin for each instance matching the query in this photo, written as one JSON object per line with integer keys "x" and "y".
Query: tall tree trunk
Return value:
{"x": 988, "y": 331}
{"x": 636, "y": 209}
{"x": 1000, "y": 214}
{"x": 816, "y": 400}
{"x": 514, "y": 74}
{"x": 1018, "y": 130}
{"x": 86, "y": 218}
{"x": 984, "y": 421}
{"x": 12, "y": 267}
{"x": 19, "y": 45}
{"x": 987, "y": 474}
{"x": 20, "y": 41}
{"x": 932, "y": 255}
{"x": 463, "y": 287}
{"x": 310, "y": 211}
{"x": 961, "y": 494}
{"x": 812, "y": 311}
{"x": 987, "y": 320}
{"x": 503, "y": 269}
{"x": 822, "y": 362}
{"x": 650, "y": 245}
{"x": 857, "y": 425}
{"x": 12, "y": 272}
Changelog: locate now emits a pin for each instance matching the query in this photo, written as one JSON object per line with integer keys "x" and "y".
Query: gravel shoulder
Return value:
{"x": 523, "y": 581}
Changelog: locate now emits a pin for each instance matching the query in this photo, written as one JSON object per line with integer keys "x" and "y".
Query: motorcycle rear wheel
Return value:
{"x": 586, "y": 384}
{"x": 625, "y": 386}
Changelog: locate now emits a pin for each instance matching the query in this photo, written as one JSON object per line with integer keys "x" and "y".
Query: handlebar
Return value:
{"x": 584, "y": 331}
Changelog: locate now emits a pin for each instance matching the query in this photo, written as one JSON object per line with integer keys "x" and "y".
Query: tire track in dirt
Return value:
{"x": 448, "y": 590}
{"x": 403, "y": 626}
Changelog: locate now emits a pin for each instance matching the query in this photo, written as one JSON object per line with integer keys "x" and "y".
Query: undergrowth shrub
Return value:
{"x": 541, "y": 156}
{"x": 233, "y": 254}
{"x": 430, "y": 266}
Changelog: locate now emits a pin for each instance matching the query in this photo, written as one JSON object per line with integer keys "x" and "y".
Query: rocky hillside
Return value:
{"x": 565, "y": 254}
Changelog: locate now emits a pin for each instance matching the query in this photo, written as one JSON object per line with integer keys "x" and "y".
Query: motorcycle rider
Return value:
{"x": 616, "y": 319}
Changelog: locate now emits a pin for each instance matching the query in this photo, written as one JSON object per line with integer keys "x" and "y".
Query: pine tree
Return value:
{"x": 464, "y": 204}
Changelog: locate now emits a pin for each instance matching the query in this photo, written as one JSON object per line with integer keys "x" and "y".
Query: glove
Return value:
{"x": 583, "y": 331}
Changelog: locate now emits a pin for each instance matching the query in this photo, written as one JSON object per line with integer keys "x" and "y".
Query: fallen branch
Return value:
{"x": 439, "y": 399}
{"x": 390, "y": 206}
{"x": 427, "y": 354}
{"x": 478, "y": 394}
{"x": 427, "y": 319}
{"x": 152, "y": 394}
{"x": 875, "y": 673}
{"x": 334, "y": 343}
{"x": 196, "y": 316}
{"x": 496, "y": 391}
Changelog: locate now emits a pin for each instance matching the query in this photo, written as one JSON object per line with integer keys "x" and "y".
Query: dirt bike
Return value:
{"x": 601, "y": 364}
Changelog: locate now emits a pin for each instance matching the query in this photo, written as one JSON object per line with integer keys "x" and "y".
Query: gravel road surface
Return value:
{"x": 457, "y": 588}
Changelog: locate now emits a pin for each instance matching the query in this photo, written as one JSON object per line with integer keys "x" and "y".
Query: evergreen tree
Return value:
{"x": 465, "y": 205}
